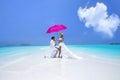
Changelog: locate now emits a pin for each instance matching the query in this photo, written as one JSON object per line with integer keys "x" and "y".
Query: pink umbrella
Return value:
{"x": 56, "y": 28}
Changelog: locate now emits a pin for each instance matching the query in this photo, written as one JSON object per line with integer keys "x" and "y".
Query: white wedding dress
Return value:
{"x": 66, "y": 53}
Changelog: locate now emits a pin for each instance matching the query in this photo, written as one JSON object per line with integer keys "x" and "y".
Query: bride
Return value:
{"x": 63, "y": 50}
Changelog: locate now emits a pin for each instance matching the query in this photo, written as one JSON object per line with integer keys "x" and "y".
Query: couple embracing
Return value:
{"x": 60, "y": 51}
{"x": 56, "y": 51}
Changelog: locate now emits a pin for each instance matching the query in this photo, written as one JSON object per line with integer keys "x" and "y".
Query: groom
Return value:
{"x": 53, "y": 48}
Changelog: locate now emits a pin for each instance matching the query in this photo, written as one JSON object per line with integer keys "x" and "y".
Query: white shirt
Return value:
{"x": 52, "y": 44}
{"x": 53, "y": 49}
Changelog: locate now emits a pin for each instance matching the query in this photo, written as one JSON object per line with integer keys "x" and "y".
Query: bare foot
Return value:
{"x": 58, "y": 56}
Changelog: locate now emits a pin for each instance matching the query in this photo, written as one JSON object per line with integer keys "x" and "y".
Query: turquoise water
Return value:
{"x": 6, "y": 51}
{"x": 107, "y": 51}
{"x": 9, "y": 54}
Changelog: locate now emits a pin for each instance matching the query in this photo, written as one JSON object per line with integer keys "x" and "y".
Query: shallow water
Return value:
{"x": 106, "y": 51}
{"x": 8, "y": 54}
{"x": 28, "y": 63}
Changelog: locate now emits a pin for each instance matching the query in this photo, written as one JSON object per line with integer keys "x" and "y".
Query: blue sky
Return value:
{"x": 87, "y": 21}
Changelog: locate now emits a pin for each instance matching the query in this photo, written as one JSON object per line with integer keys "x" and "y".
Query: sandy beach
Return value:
{"x": 33, "y": 67}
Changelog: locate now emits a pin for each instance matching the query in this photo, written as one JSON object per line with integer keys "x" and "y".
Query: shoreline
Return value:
{"x": 31, "y": 65}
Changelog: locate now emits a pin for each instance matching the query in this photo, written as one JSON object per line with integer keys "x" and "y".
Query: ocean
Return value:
{"x": 102, "y": 51}
{"x": 8, "y": 54}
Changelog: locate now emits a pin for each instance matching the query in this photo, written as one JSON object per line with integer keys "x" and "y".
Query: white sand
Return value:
{"x": 35, "y": 68}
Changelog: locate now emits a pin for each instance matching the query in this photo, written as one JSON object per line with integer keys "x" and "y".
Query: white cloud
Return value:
{"x": 97, "y": 18}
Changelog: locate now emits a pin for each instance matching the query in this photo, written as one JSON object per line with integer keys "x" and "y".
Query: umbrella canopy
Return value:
{"x": 56, "y": 28}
